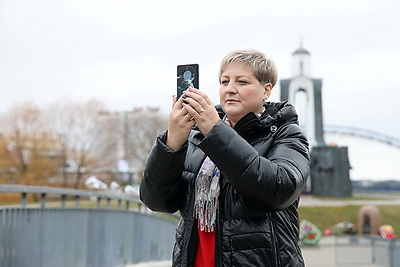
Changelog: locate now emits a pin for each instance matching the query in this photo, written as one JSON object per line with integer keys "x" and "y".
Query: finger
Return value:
{"x": 178, "y": 103}
{"x": 182, "y": 115}
{"x": 189, "y": 108}
{"x": 196, "y": 106}
{"x": 196, "y": 109}
{"x": 192, "y": 114}
{"x": 173, "y": 101}
{"x": 200, "y": 97}
{"x": 189, "y": 117}
{"x": 202, "y": 94}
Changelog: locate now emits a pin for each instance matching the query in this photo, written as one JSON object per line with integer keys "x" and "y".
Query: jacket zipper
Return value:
{"x": 218, "y": 235}
{"x": 187, "y": 235}
{"x": 274, "y": 240}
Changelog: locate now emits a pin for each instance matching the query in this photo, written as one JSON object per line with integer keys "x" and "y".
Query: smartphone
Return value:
{"x": 187, "y": 76}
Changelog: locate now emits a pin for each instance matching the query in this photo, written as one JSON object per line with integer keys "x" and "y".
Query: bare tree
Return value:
{"x": 81, "y": 136}
{"x": 142, "y": 128}
{"x": 69, "y": 140}
{"x": 130, "y": 136}
{"x": 26, "y": 146}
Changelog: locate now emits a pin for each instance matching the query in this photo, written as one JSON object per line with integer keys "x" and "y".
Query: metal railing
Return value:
{"x": 366, "y": 250}
{"x": 44, "y": 191}
{"x": 37, "y": 235}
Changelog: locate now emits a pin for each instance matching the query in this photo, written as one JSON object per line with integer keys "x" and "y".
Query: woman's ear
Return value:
{"x": 267, "y": 90}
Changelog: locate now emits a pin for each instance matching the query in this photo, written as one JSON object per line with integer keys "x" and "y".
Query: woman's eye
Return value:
{"x": 243, "y": 82}
{"x": 224, "y": 82}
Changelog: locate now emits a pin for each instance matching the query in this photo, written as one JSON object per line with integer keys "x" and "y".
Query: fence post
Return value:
{"x": 63, "y": 200}
{"x": 77, "y": 199}
{"x": 391, "y": 254}
{"x": 23, "y": 199}
{"x": 43, "y": 200}
{"x": 98, "y": 202}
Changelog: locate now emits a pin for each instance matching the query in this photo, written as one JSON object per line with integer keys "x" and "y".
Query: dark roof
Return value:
{"x": 301, "y": 50}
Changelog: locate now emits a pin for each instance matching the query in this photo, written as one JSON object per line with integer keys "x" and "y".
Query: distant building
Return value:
{"x": 329, "y": 164}
{"x": 305, "y": 94}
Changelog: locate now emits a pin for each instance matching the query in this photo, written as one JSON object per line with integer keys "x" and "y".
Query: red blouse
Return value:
{"x": 206, "y": 250}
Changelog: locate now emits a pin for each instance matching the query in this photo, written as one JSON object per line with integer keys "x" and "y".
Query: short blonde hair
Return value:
{"x": 263, "y": 67}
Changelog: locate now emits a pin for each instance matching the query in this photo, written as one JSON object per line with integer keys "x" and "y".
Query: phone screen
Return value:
{"x": 187, "y": 76}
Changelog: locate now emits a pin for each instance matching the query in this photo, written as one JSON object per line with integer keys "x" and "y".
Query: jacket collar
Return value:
{"x": 275, "y": 115}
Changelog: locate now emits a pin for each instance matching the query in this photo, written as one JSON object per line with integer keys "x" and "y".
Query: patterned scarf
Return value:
{"x": 207, "y": 191}
{"x": 206, "y": 195}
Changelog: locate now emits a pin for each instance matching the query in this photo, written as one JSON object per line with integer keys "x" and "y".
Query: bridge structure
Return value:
{"x": 363, "y": 133}
{"x": 81, "y": 229}
{"x": 373, "y": 155}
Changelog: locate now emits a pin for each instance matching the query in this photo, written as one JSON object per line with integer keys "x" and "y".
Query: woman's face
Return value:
{"x": 240, "y": 92}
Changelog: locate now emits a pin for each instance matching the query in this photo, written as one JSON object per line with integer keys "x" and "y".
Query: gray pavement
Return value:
{"x": 315, "y": 256}
{"x": 308, "y": 200}
{"x": 151, "y": 264}
{"x": 324, "y": 254}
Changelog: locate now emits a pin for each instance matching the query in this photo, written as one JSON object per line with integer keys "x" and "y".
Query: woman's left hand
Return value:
{"x": 200, "y": 107}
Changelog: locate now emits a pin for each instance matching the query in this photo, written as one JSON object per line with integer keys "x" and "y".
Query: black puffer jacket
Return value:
{"x": 264, "y": 164}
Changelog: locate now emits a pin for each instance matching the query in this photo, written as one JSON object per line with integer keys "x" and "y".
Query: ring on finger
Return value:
{"x": 189, "y": 117}
{"x": 201, "y": 110}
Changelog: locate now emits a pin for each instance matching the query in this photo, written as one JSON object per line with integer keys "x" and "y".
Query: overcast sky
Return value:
{"x": 125, "y": 52}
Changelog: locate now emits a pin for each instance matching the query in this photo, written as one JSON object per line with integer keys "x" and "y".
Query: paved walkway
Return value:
{"x": 314, "y": 256}
{"x": 308, "y": 200}
{"x": 324, "y": 254}
{"x": 152, "y": 264}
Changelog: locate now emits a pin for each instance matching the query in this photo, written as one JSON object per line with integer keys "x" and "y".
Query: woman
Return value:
{"x": 235, "y": 172}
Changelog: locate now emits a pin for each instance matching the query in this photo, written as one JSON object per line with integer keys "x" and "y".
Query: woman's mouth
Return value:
{"x": 231, "y": 100}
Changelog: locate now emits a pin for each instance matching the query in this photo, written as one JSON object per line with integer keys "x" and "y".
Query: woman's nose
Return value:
{"x": 231, "y": 88}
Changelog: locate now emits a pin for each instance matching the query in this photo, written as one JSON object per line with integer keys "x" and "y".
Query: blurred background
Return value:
{"x": 79, "y": 78}
{"x": 85, "y": 87}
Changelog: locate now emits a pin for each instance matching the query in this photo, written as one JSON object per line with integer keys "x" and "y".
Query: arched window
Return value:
{"x": 301, "y": 104}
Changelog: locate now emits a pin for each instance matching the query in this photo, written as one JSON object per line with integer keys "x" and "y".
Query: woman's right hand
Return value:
{"x": 179, "y": 125}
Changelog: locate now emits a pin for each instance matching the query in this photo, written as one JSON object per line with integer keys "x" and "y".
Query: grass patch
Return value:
{"x": 326, "y": 217}
{"x": 369, "y": 197}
